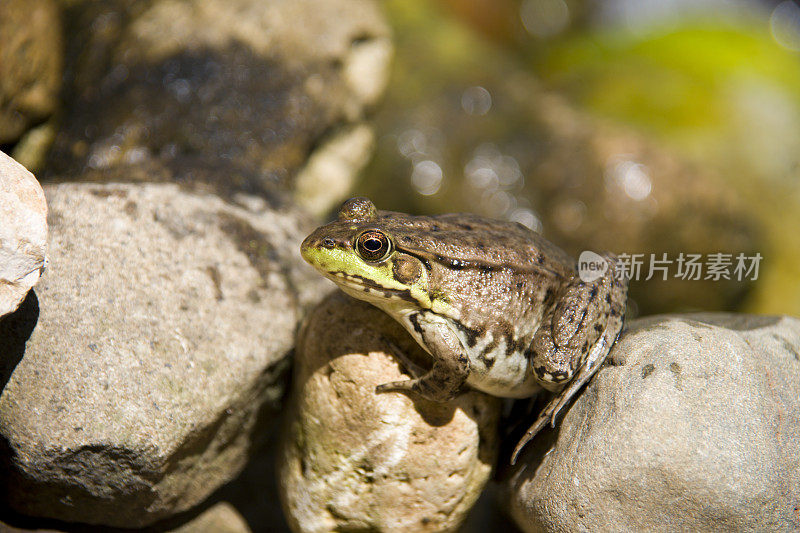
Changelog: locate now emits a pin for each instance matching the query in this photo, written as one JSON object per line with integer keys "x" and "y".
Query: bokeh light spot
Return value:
{"x": 427, "y": 177}
{"x": 476, "y": 101}
{"x": 544, "y": 18}
{"x": 784, "y": 24}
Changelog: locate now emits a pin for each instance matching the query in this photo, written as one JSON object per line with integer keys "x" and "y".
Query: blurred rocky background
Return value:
{"x": 185, "y": 147}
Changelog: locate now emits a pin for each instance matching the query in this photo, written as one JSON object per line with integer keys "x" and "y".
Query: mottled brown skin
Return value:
{"x": 496, "y": 305}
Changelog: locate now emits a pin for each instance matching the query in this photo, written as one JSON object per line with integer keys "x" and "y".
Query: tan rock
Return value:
{"x": 353, "y": 459}
{"x": 30, "y": 64}
{"x": 23, "y": 233}
{"x": 328, "y": 177}
{"x": 221, "y": 518}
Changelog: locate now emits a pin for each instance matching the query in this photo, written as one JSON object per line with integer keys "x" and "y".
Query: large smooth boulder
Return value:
{"x": 356, "y": 460}
{"x": 694, "y": 427}
{"x": 132, "y": 379}
{"x": 23, "y": 233}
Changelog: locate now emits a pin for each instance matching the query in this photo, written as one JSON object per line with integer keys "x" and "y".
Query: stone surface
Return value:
{"x": 23, "y": 233}
{"x": 130, "y": 382}
{"x": 356, "y": 460}
{"x": 696, "y": 427}
{"x": 327, "y": 178}
{"x": 221, "y": 518}
{"x": 234, "y": 94}
{"x": 30, "y": 64}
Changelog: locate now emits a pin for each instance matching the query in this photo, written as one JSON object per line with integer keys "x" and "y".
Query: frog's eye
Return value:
{"x": 373, "y": 245}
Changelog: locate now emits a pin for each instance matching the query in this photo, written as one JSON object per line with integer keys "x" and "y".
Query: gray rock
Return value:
{"x": 233, "y": 94}
{"x": 23, "y": 233}
{"x": 131, "y": 381}
{"x": 356, "y": 460}
{"x": 695, "y": 428}
{"x": 30, "y": 64}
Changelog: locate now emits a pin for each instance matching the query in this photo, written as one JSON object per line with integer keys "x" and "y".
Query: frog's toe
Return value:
{"x": 396, "y": 386}
{"x": 423, "y": 387}
{"x": 537, "y": 426}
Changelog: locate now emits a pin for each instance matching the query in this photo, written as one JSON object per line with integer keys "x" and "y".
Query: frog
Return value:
{"x": 498, "y": 307}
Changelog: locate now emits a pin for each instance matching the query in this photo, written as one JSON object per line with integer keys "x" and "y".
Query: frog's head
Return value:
{"x": 359, "y": 252}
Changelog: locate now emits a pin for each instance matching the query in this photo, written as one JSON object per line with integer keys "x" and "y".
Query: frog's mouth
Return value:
{"x": 374, "y": 282}
{"x": 343, "y": 268}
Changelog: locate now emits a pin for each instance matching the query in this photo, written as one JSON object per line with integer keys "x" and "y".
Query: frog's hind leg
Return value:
{"x": 582, "y": 327}
{"x": 596, "y": 358}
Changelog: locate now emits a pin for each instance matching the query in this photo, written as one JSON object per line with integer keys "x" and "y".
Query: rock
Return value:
{"x": 31, "y": 149}
{"x": 353, "y": 459}
{"x": 23, "y": 233}
{"x": 232, "y": 94}
{"x": 328, "y": 177}
{"x": 130, "y": 382}
{"x": 221, "y": 518}
{"x": 696, "y": 428}
{"x": 30, "y": 64}
{"x": 255, "y": 492}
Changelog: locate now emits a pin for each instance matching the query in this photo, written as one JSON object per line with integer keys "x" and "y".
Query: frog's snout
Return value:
{"x": 314, "y": 246}
{"x": 307, "y": 246}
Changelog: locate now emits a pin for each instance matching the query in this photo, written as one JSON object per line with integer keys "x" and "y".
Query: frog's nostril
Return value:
{"x": 328, "y": 242}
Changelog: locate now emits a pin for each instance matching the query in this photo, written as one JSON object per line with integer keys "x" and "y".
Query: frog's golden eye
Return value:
{"x": 373, "y": 245}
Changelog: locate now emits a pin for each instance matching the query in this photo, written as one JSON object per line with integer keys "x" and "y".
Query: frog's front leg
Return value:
{"x": 574, "y": 339}
{"x": 450, "y": 365}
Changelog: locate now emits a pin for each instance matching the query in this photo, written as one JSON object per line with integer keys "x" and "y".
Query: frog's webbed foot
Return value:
{"x": 574, "y": 340}
{"x": 450, "y": 367}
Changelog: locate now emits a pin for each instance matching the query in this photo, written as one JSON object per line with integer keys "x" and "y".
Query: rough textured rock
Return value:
{"x": 355, "y": 460}
{"x": 235, "y": 94}
{"x": 130, "y": 382}
{"x": 695, "y": 428}
{"x": 23, "y": 233}
{"x": 30, "y": 64}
